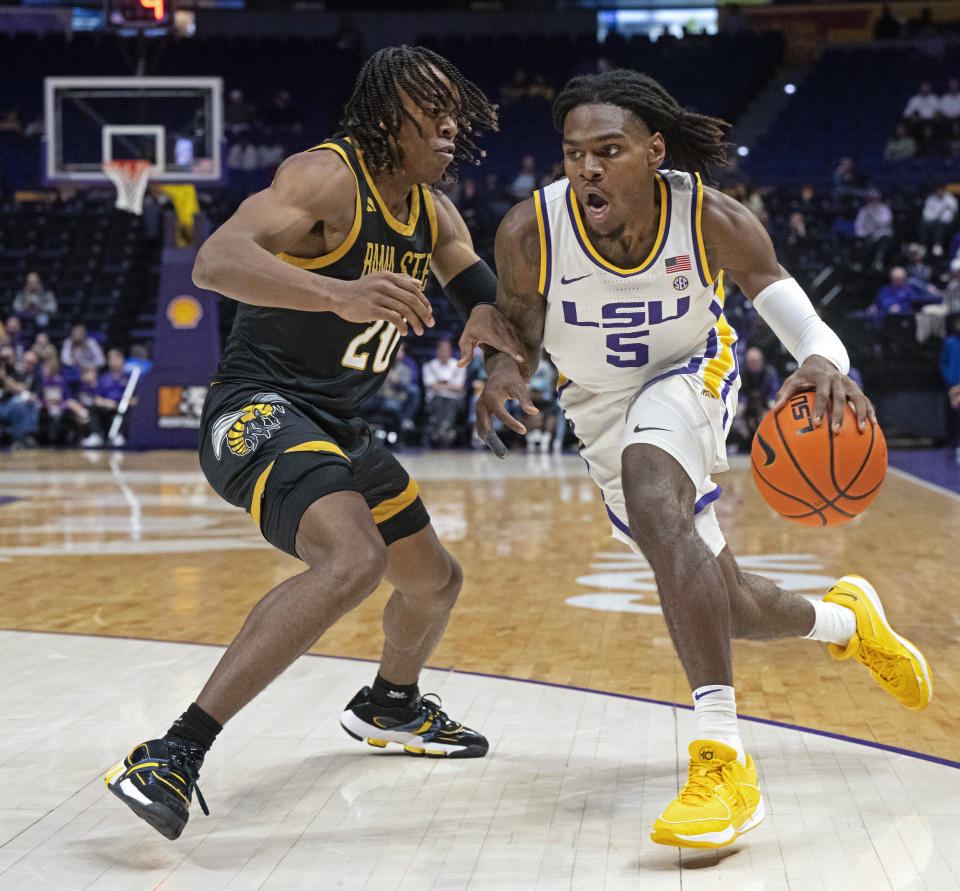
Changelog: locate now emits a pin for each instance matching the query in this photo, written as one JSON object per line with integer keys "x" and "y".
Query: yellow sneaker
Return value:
{"x": 719, "y": 802}
{"x": 895, "y": 663}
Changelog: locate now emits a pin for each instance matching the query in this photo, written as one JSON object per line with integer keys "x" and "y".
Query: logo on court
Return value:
{"x": 680, "y": 283}
{"x": 623, "y": 582}
{"x": 243, "y": 430}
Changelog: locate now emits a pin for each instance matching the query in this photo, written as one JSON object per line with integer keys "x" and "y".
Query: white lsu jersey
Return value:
{"x": 612, "y": 329}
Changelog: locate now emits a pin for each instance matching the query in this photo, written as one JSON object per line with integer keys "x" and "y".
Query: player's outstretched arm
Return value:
{"x": 520, "y": 301}
{"x": 737, "y": 243}
{"x": 470, "y": 286}
{"x": 239, "y": 260}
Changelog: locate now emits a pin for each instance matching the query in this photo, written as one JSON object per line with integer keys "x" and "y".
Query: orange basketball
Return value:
{"x": 807, "y": 474}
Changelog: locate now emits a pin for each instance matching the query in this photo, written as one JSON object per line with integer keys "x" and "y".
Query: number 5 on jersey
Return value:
{"x": 389, "y": 341}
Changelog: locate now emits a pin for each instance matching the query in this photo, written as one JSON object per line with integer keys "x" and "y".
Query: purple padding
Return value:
{"x": 935, "y": 466}
{"x": 6, "y": 499}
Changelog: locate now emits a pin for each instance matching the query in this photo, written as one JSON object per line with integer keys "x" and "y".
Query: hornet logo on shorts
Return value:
{"x": 242, "y": 430}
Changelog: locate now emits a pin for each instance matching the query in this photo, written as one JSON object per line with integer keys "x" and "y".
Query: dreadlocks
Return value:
{"x": 374, "y": 113}
{"x": 694, "y": 141}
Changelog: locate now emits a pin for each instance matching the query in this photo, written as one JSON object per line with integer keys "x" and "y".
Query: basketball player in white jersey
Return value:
{"x": 619, "y": 270}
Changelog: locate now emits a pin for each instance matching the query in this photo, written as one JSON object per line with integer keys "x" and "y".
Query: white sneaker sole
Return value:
{"x": 379, "y": 737}
{"x": 713, "y": 839}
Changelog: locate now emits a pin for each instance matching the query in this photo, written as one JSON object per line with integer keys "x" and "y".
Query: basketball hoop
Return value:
{"x": 130, "y": 178}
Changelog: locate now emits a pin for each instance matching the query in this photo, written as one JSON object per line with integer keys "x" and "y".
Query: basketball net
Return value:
{"x": 130, "y": 178}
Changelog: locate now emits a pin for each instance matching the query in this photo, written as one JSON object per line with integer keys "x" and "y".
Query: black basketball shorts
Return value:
{"x": 260, "y": 452}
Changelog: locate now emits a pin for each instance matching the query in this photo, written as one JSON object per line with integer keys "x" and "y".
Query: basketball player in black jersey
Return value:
{"x": 329, "y": 264}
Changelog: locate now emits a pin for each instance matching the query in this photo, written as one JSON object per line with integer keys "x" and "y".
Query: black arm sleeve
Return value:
{"x": 475, "y": 285}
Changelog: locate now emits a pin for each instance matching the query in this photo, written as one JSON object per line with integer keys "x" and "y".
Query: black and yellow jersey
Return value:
{"x": 318, "y": 359}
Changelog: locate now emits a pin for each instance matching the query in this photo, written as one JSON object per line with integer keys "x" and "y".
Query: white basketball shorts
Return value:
{"x": 675, "y": 414}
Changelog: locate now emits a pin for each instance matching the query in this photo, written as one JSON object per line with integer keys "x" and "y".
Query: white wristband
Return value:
{"x": 791, "y": 316}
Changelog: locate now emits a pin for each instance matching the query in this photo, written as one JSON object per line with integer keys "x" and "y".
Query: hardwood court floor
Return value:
{"x": 137, "y": 545}
{"x": 101, "y": 546}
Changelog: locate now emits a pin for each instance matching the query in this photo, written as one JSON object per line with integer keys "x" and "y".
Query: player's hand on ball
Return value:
{"x": 391, "y": 296}
{"x": 833, "y": 391}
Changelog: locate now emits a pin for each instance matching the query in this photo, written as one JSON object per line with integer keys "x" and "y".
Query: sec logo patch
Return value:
{"x": 680, "y": 283}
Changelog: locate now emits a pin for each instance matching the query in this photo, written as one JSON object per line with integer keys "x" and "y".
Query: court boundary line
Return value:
{"x": 920, "y": 481}
{"x": 910, "y": 753}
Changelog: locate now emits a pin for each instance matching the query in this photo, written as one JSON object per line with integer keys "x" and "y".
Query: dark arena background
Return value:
{"x": 129, "y": 132}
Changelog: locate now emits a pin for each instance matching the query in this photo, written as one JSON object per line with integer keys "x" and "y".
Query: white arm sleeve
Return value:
{"x": 790, "y": 314}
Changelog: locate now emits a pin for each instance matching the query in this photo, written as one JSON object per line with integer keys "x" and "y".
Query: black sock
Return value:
{"x": 388, "y": 695}
{"x": 196, "y": 726}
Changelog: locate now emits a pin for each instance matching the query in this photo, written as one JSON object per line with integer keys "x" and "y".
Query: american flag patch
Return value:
{"x": 677, "y": 264}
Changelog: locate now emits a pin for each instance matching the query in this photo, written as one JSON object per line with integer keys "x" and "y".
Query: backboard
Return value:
{"x": 176, "y": 123}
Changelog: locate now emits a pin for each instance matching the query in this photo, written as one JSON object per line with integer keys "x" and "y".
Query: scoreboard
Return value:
{"x": 139, "y": 14}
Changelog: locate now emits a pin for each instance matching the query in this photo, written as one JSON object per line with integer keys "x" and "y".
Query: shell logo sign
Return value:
{"x": 184, "y": 311}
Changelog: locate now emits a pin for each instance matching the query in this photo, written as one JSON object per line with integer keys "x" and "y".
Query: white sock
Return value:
{"x": 715, "y": 708}
{"x": 832, "y": 623}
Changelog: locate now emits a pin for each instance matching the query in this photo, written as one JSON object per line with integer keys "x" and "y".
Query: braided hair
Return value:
{"x": 376, "y": 100}
{"x": 694, "y": 141}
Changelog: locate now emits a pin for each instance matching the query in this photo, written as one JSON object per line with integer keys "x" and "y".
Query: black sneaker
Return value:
{"x": 156, "y": 781}
{"x": 421, "y": 728}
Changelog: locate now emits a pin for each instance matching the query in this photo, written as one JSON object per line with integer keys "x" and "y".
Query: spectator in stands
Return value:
{"x": 543, "y": 393}
{"x": 552, "y": 175}
{"x": 270, "y": 155}
{"x": 44, "y": 349}
{"x": 894, "y": 299}
{"x": 18, "y": 408}
{"x": 282, "y": 115}
{"x": 950, "y": 372}
{"x": 525, "y": 181}
{"x": 796, "y": 229}
{"x": 139, "y": 357}
{"x": 753, "y": 201}
{"x": 920, "y": 113}
{"x": 34, "y": 304}
{"x": 110, "y": 387}
{"x": 53, "y": 399}
{"x": 846, "y": 180}
{"x": 238, "y": 115}
{"x": 950, "y": 101}
{"x": 919, "y": 273}
{"x": 874, "y": 225}
{"x": 900, "y": 147}
{"x": 31, "y": 375}
{"x": 887, "y": 26}
{"x": 759, "y": 383}
{"x": 936, "y": 220}
{"x": 951, "y": 290}
{"x": 924, "y": 105}
{"x": 444, "y": 383}
{"x": 399, "y": 398}
{"x": 932, "y": 318}
{"x": 496, "y": 201}
{"x": 79, "y": 408}
{"x": 243, "y": 161}
{"x": 80, "y": 350}
{"x": 15, "y": 340}
{"x": 468, "y": 202}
